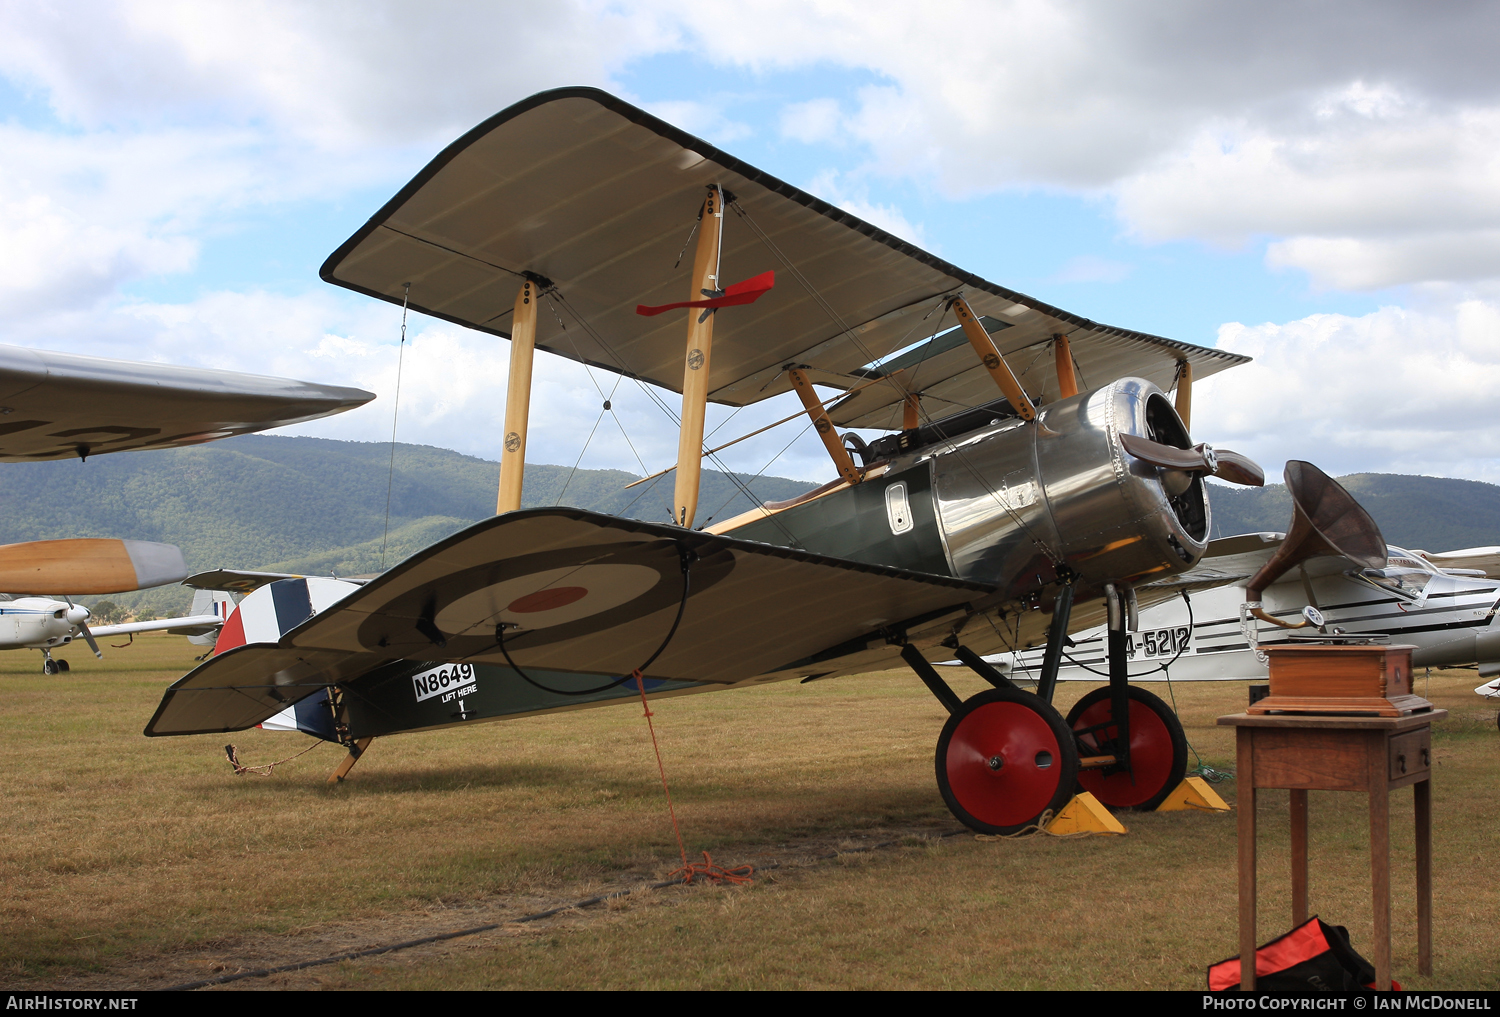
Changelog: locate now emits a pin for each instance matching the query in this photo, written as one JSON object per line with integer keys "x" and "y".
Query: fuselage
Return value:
{"x": 1014, "y": 504}
{"x": 39, "y": 623}
{"x": 1452, "y": 620}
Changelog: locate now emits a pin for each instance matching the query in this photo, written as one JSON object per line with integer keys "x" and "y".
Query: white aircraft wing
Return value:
{"x": 61, "y": 405}
{"x": 188, "y": 625}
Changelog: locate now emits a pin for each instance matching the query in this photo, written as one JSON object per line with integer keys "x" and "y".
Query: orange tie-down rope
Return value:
{"x": 707, "y": 869}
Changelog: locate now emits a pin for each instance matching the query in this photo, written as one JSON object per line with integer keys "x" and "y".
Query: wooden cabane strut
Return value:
{"x": 832, "y": 441}
{"x": 1185, "y": 392}
{"x": 993, "y": 362}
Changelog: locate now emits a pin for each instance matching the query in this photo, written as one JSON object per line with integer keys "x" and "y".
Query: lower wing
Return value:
{"x": 569, "y": 592}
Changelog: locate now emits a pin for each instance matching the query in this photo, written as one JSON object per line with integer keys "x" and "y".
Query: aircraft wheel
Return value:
{"x": 49, "y": 666}
{"x": 1158, "y": 750}
{"x": 62, "y": 667}
{"x": 1003, "y": 759}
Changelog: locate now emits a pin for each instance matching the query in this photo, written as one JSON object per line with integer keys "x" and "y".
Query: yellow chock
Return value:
{"x": 1194, "y": 793}
{"x": 1084, "y": 814}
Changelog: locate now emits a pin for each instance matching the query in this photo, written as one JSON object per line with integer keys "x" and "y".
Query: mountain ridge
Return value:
{"x": 318, "y": 505}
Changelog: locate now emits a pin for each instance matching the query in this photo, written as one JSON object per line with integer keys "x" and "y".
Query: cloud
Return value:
{"x": 852, "y": 195}
{"x": 1359, "y": 142}
{"x": 706, "y": 120}
{"x": 1365, "y": 131}
{"x": 1396, "y": 391}
{"x": 1089, "y": 268}
{"x": 337, "y": 73}
{"x": 813, "y": 122}
{"x": 452, "y": 379}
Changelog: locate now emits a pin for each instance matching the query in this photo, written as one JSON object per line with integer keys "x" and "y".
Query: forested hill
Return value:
{"x": 309, "y": 504}
{"x": 316, "y": 505}
{"x": 1430, "y": 513}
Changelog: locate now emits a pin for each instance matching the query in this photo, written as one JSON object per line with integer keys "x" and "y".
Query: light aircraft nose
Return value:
{"x": 77, "y": 615}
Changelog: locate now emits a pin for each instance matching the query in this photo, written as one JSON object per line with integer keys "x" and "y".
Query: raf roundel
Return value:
{"x": 543, "y": 599}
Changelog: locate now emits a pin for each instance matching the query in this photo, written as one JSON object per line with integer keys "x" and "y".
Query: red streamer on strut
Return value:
{"x": 708, "y": 869}
{"x": 747, "y": 292}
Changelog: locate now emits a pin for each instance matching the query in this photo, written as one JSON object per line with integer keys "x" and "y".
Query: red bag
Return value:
{"x": 1313, "y": 957}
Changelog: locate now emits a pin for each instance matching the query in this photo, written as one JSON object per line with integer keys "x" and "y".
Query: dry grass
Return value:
{"x": 134, "y": 861}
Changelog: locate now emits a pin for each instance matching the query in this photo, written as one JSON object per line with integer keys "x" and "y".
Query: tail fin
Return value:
{"x": 215, "y": 602}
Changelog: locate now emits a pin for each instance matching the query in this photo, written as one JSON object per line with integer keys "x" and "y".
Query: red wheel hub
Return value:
{"x": 1151, "y": 755}
{"x": 1003, "y": 763}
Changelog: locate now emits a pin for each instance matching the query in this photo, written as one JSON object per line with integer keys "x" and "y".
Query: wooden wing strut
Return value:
{"x": 700, "y": 340}
{"x": 830, "y": 435}
{"x": 517, "y": 399}
{"x": 992, "y": 360}
{"x": 1185, "y": 393}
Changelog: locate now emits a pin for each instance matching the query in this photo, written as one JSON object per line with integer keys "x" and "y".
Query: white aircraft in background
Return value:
{"x": 91, "y": 566}
{"x": 1448, "y": 614}
{"x": 41, "y": 623}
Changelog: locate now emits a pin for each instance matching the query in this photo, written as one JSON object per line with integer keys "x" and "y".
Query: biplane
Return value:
{"x": 1037, "y": 473}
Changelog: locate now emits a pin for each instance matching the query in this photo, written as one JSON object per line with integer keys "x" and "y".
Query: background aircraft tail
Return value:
{"x": 219, "y": 603}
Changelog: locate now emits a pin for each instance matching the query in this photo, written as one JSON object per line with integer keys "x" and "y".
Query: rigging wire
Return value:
{"x": 608, "y": 397}
{"x": 828, "y": 309}
{"x": 763, "y": 469}
{"x": 573, "y": 472}
{"x": 395, "y": 410}
{"x": 660, "y": 403}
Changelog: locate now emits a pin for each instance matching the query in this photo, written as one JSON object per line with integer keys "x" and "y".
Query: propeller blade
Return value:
{"x": 1154, "y": 452}
{"x": 1228, "y": 466}
{"x": 1237, "y": 469}
{"x": 88, "y": 637}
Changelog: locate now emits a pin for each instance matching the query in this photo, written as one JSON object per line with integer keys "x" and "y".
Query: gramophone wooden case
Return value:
{"x": 1340, "y": 679}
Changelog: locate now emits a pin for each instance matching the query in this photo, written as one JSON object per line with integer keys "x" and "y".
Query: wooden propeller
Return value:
{"x": 88, "y": 565}
{"x": 1228, "y": 466}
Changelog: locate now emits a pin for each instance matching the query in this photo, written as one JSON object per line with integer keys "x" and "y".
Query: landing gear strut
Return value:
{"x": 1006, "y": 758}
{"x": 50, "y": 666}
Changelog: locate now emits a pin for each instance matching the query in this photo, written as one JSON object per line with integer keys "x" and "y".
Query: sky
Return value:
{"x": 1314, "y": 185}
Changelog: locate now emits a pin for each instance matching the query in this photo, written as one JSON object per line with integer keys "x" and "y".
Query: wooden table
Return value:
{"x": 1313, "y": 752}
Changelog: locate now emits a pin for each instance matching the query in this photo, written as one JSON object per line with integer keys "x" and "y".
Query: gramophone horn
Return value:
{"x": 1325, "y": 520}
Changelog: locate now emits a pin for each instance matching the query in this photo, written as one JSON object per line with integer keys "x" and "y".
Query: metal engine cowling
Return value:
{"x": 1016, "y": 501}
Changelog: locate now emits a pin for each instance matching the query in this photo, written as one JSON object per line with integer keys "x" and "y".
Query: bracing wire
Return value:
{"x": 661, "y": 404}
{"x": 833, "y": 315}
{"x": 769, "y": 463}
{"x": 573, "y": 472}
{"x": 390, "y": 479}
{"x": 608, "y": 397}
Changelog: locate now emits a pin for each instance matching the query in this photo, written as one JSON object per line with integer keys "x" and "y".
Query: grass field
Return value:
{"x": 135, "y": 862}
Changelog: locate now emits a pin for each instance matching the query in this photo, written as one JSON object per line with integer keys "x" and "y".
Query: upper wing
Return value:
{"x": 60, "y": 405}
{"x": 1485, "y": 559}
{"x": 599, "y": 197}
{"x": 591, "y": 594}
